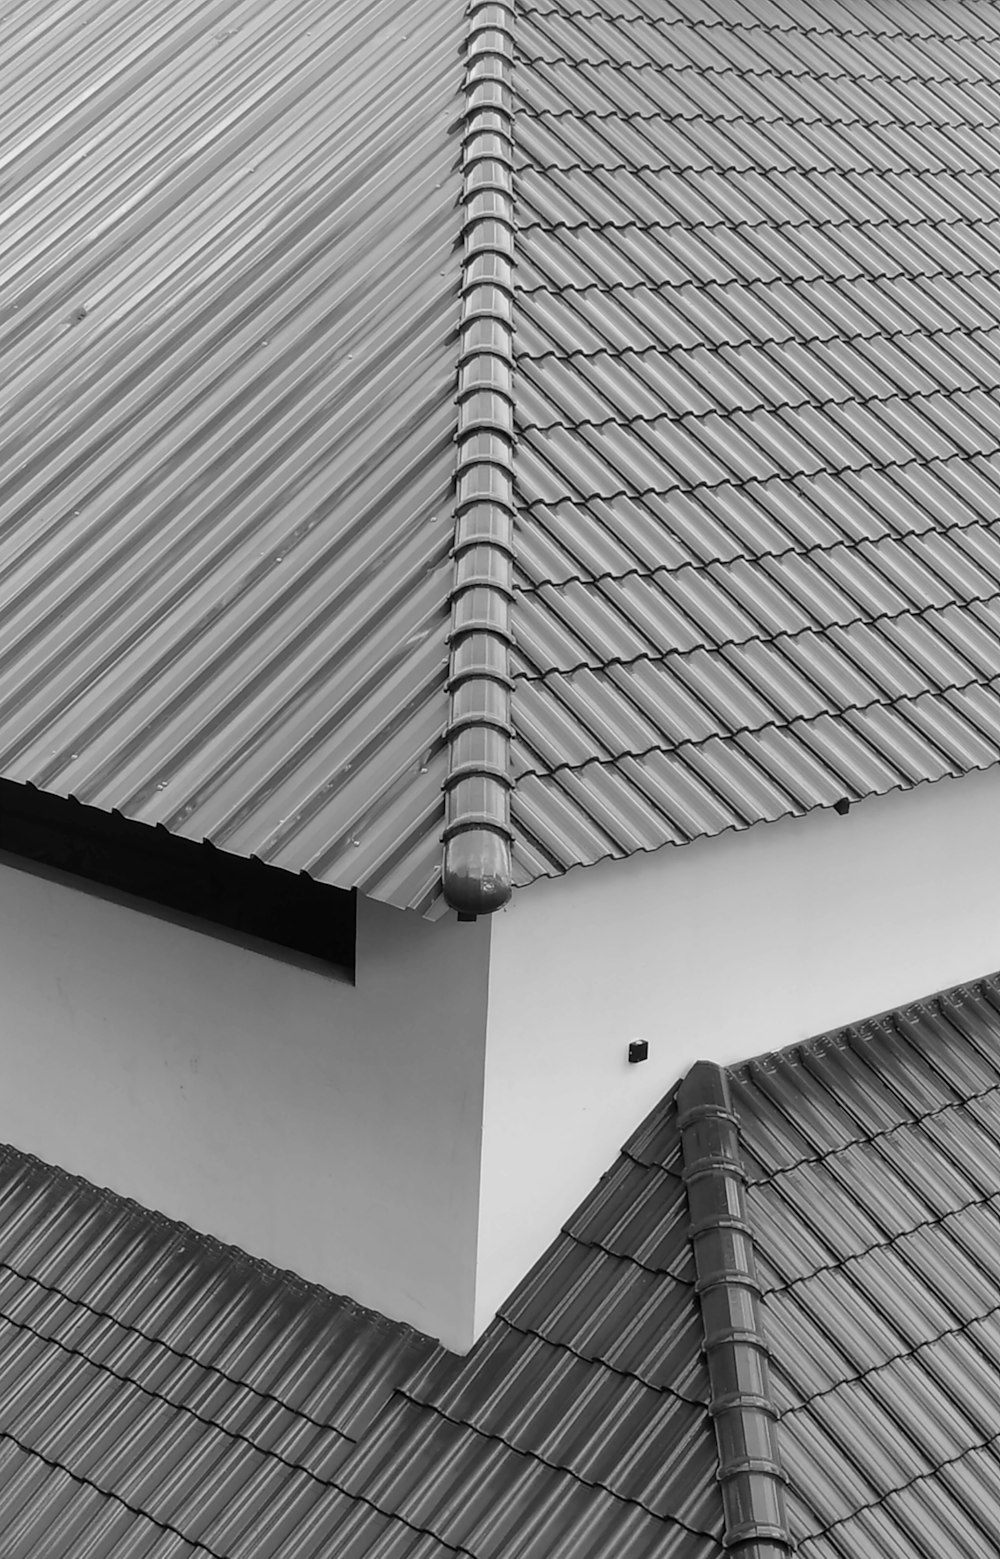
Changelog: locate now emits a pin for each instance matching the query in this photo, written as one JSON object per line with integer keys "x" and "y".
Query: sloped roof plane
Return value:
{"x": 231, "y": 301}
{"x": 772, "y": 1324}
{"x": 545, "y": 432}
{"x": 759, "y": 435}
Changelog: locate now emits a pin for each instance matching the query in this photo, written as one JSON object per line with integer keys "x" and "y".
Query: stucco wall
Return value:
{"x": 334, "y": 1130}
{"x": 721, "y": 949}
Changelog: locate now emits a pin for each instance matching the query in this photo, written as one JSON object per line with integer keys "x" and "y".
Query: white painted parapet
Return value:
{"x": 717, "y": 950}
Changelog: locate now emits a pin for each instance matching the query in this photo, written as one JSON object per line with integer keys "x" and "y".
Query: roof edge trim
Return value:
{"x": 477, "y": 835}
{"x": 741, "y": 1403}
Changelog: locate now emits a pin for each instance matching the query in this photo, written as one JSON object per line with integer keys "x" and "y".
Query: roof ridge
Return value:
{"x": 741, "y": 1402}
{"x": 477, "y": 836}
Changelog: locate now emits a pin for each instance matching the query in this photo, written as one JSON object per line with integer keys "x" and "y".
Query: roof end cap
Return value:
{"x": 704, "y": 1088}
{"x": 477, "y": 872}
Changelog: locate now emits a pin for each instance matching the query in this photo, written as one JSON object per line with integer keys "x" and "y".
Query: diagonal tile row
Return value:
{"x": 758, "y": 420}
{"x": 873, "y": 1157}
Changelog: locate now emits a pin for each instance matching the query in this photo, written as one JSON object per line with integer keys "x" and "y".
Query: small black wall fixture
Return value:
{"x": 843, "y": 806}
{"x": 638, "y": 1050}
{"x": 741, "y": 1403}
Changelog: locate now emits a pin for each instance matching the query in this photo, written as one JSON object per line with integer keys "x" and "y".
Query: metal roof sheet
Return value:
{"x": 232, "y": 297}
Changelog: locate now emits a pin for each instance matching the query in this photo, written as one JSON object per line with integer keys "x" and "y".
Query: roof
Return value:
{"x": 231, "y": 284}
{"x": 545, "y": 432}
{"x": 758, "y": 470}
{"x": 773, "y": 1321}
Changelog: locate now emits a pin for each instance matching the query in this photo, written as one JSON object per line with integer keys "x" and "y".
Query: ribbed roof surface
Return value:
{"x": 230, "y": 302}
{"x": 162, "y": 1396}
{"x": 759, "y": 457}
{"x": 753, "y": 436}
{"x": 874, "y": 1160}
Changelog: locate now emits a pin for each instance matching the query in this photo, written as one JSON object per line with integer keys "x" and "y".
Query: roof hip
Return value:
{"x": 477, "y": 835}
{"x": 741, "y": 1403}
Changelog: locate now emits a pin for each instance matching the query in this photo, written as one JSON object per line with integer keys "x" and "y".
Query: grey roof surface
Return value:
{"x": 874, "y": 1167}
{"x": 758, "y": 468}
{"x": 552, "y": 431}
{"x": 230, "y": 304}
{"x": 161, "y": 1395}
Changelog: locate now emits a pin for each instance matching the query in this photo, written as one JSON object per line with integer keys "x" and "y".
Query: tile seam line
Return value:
{"x": 527, "y": 106}
{"x": 675, "y": 166}
{"x": 535, "y": 1458}
{"x": 673, "y": 419}
{"x": 627, "y": 68}
{"x": 476, "y": 871}
{"x": 200, "y": 1543}
{"x": 797, "y": 284}
{"x": 963, "y": 1329}
{"x": 615, "y": 1369}
{"x": 819, "y": 549}
{"x": 680, "y": 749}
{"x": 682, "y": 353}
{"x": 592, "y": 495}
{"x": 757, "y": 344}
{"x": 920, "y": 1477}
{"x": 562, "y": 289}
{"x": 117, "y": 1499}
{"x": 306, "y": 1292}
{"x": 778, "y": 639}
{"x": 709, "y": 25}
{"x": 797, "y": 337}
{"x": 632, "y": 1261}
{"x": 532, "y": 594}
{"x": 265, "y": 1398}
{"x": 840, "y": 1263}
{"x": 233, "y": 1435}
{"x": 539, "y": 8}
{"x": 872, "y": 1137}
{"x": 724, "y": 224}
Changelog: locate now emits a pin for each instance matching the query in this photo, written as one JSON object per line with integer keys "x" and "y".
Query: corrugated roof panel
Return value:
{"x": 233, "y": 287}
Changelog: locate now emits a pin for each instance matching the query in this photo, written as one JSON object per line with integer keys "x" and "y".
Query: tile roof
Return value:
{"x": 758, "y": 469}
{"x": 555, "y": 431}
{"x": 158, "y": 1390}
{"x": 161, "y": 1395}
{"x": 873, "y": 1158}
{"x": 164, "y": 1396}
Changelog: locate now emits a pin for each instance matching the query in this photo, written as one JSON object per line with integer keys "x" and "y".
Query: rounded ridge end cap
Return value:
{"x": 477, "y": 876}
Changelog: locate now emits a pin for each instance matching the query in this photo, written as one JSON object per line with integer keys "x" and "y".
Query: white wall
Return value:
{"x": 333, "y": 1130}
{"x": 720, "y": 949}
